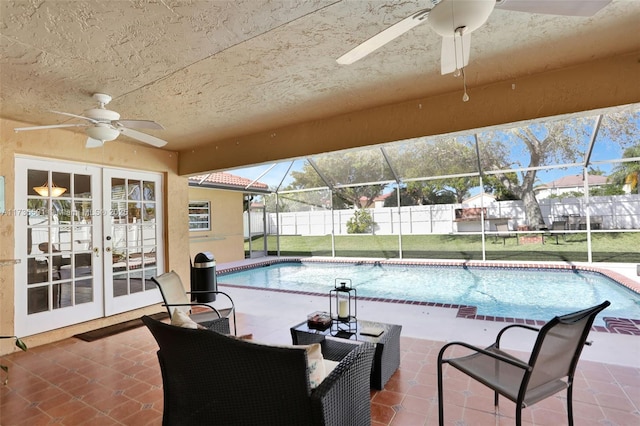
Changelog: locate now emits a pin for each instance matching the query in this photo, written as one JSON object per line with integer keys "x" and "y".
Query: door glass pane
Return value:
{"x": 37, "y": 299}
{"x": 82, "y": 186}
{"x": 149, "y": 212}
{"x": 120, "y": 285}
{"x": 149, "y": 192}
{"x": 118, "y": 189}
{"x": 118, "y": 212}
{"x": 84, "y": 291}
{"x": 62, "y": 295}
{"x": 136, "y": 282}
{"x": 134, "y": 212}
{"x": 148, "y": 273}
{"x": 36, "y": 179}
{"x": 37, "y": 270}
{"x": 149, "y": 235}
{"x": 133, "y": 190}
{"x": 62, "y": 181}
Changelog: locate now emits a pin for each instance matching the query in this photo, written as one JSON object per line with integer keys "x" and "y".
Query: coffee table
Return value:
{"x": 387, "y": 356}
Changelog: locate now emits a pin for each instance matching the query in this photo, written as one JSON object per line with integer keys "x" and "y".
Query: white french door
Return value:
{"x": 67, "y": 238}
{"x": 132, "y": 239}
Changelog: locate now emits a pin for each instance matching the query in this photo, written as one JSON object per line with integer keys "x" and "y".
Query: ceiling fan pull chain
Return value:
{"x": 465, "y": 96}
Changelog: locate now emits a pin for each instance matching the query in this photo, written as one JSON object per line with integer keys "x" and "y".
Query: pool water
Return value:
{"x": 536, "y": 294}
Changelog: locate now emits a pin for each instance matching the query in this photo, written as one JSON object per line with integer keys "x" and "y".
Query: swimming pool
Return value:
{"x": 528, "y": 293}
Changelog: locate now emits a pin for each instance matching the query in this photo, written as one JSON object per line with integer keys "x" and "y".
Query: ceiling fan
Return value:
{"x": 455, "y": 20}
{"x": 105, "y": 125}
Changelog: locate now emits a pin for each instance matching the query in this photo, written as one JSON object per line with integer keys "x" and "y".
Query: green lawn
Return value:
{"x": 606, "y": 247}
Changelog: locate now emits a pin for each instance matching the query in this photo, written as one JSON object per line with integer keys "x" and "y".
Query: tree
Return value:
{"x": 346, "y": 168}
{"x": 420, "y": 193}
{"x": 627, "y": 173}
{"x": 549, "y": 143}
{"x": 493, "y": 185}
{"x": 432, "y": 157}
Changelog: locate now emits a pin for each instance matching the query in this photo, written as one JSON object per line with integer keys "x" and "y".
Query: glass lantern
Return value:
{"x": 343, "y": 307}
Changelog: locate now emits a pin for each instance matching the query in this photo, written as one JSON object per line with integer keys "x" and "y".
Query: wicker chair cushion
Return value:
{"x": 181, "y": 319}
{"x": 315, "y": 363}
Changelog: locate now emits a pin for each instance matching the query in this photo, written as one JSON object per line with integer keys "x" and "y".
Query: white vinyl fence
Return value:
{"x": 613, "y": 212}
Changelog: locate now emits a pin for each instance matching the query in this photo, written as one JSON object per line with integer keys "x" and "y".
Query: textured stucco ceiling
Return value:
{"x": 213, "y": 70}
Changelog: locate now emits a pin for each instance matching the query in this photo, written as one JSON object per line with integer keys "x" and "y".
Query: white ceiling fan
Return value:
{"x": 455, "y": 20}
{"x": 105, "y": 125}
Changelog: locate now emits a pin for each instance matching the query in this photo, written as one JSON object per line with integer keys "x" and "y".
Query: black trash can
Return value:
{"x": 203, "y": 277}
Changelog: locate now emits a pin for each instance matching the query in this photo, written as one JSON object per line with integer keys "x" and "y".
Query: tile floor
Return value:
{"x": 116, "y": 381}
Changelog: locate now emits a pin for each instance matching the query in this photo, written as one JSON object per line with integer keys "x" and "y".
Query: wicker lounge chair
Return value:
{"x": 211, "y": 378}
{"x": 550, "y": 368}
{"x": 176, "y": 297}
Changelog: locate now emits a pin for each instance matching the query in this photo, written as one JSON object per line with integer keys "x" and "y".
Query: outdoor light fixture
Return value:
{"x": 43, "y": 190}
{"x": 342, "y": 307}
{"x": 102, "y": 132}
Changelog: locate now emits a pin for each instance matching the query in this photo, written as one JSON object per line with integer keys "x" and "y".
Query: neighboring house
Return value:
{"x": 216, "y": 223}
{"x": 378, "y": 202}
{"x": 479, "y": 200}
{"x": 570, "y": 183}
{"x": 222, "y": 180}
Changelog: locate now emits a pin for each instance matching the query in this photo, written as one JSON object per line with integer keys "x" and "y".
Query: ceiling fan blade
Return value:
{"x": 142, "y": 137}
{"x": 140, "y": 124}
{"x": 50, "y": 126}
{"x": 554, "y": 7}
{"x": 455, "y": 53}
{"x": 383, "y": 37}
{"x": 93, "y": 143}
{"x": 75, "y": 116}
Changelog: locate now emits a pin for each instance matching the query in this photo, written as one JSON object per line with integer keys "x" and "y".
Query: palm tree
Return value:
{"x": 627, "y": 173}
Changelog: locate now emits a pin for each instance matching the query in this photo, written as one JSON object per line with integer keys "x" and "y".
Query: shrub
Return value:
{"x": 360, "y": 223}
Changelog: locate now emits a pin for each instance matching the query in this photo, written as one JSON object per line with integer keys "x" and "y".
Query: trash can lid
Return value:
{"x": 204, "y": 260}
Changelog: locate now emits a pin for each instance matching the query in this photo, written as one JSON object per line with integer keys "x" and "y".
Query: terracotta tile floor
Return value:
{"x": 116, "y": 381}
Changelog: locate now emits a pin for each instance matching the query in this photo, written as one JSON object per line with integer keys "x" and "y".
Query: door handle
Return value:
{"x": 96, "y": 251}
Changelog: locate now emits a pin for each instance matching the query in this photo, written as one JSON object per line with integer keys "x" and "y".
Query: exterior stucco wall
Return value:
{"x": 225, "y": 238}
{"x": 65, "y": 145}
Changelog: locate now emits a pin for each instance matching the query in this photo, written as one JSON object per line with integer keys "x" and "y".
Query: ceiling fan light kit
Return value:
{"x": 105, "y": 125}
{"x": 102, "y": 132}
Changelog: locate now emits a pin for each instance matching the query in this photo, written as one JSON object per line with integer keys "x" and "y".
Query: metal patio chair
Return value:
{"x": 504, "y": 233}
{"x": 558, "y": 225}
{"x": 176, "y": 297}
{"x": 550, "y": 368}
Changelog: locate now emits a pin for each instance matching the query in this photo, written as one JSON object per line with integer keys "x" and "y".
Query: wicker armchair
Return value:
{"x": 210, "y": 378}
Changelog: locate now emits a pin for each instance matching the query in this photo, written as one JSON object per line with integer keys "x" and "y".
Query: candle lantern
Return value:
{"x": 342, "y": 307}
